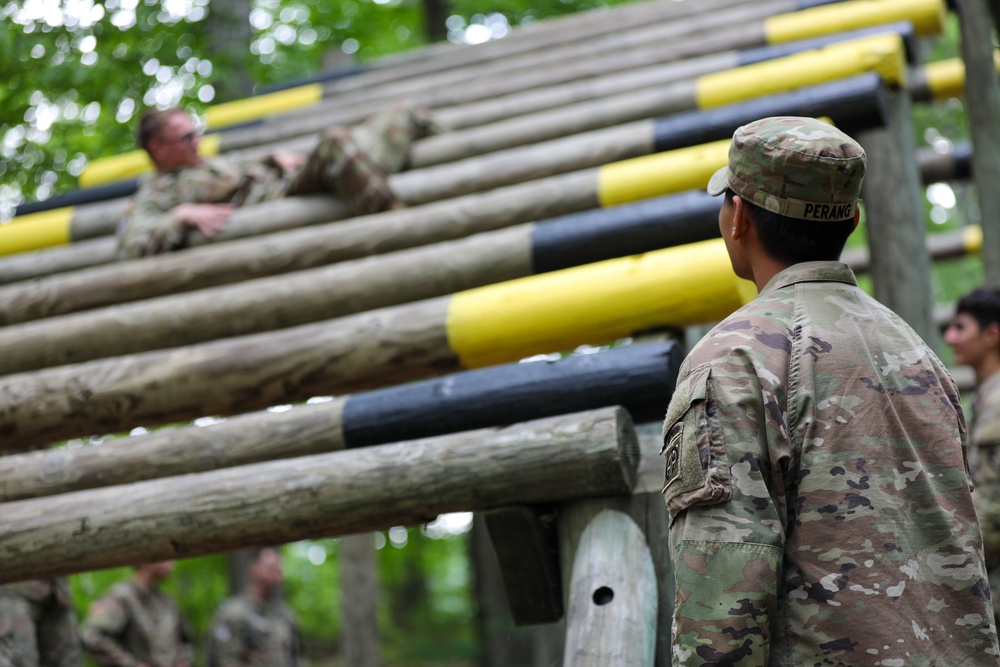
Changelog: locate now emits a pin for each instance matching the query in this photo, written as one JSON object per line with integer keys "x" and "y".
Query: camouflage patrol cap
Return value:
{"x": 801, "y": 168}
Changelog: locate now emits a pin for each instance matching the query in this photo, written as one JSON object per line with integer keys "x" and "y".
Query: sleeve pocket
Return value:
{"x": 696, "y": 471}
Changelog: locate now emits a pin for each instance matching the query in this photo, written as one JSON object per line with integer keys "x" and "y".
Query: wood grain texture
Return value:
{"x": 612, "y": 596}
{"x": 225, "y": 377}
{"x": 267, "y": 304}
{"x": 252, "y": 438}
{"x": 295, "y": 250}
{"x": 561, "y": 458}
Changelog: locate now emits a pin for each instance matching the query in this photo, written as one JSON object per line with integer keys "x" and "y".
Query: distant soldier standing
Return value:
{"x": 974, "y": 335}
{"x": 38, "y": 625}
{"x": 188, "y": 192}
{"x": 137, "y": 625}
{"x": 815, "y": 446}
{"x": 256, "y": 629}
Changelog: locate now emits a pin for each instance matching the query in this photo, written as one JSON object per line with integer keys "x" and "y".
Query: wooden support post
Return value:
{"x": 611, "y": 590}
{"x": 982, "y": 93}
{"x": 549, "y": 460}
{"x": 893, "y": 199}
{"x": 524, "y": 540}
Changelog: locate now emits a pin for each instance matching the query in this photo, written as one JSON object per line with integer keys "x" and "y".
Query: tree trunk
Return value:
{"x": 229, "y": 34}
{"x": 982, "y": 93}
{"x": 359, "y": 591}
{"x": 897, "y": 232}
{"x": 435, "y": 14}
{"x": 562, "y": 458}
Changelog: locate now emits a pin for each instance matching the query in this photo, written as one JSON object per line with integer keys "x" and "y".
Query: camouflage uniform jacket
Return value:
{"x": 38, "y": 625}
{"x": 130, "y": 626}
{"x": 818, "y": 491}
{"x": 250, "y": 634}
{"x": 149, "y": 227}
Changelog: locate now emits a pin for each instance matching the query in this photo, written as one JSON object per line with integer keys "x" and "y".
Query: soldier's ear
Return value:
{"x": 741, "y": 219}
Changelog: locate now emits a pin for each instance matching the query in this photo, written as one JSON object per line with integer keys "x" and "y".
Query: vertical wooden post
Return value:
{"x": 612, "y": 591}
{"x": 982, "y": 94}
{"x": 646, "y": 508}
{"x": 897, "y": 233}
{"x": 358, "y": 585}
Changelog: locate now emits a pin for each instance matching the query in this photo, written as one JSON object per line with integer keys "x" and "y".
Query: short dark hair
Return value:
{"x": 791, "y": 240}
{"x": 150, "y": 124}
{"x": 982, "y": 304}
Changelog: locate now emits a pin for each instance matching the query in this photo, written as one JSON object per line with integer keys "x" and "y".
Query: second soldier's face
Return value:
{"x": 968, "y": 340}
{"x": 177, "y": 143}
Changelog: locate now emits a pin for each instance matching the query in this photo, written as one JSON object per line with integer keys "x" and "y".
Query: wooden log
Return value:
{"x": 849, "y": 102}
{"x": 741, "y": 28}
{"x": 640, "y": 378}
{"x": 642, "y": 47}
{"x": 207, "y": 266}
{"x": 782, "y": 74}
{"x": 466, "y": 115}
{"x": 561, "y": 458}
{"x": 482, "y": 327}
{"x": 612, "y": 589}
{"x": 611, "y": 184}
{"x": 982, "y": 92}
{"x": 365, "y": 99}
{"x": 349, "y": 287}
{"x": 941, "y": 246}
{"x": 517, "y": 167}
{"x": 57, "y": 259}
{"x": 954, "y": 165}
{"x": 893, "y": 198}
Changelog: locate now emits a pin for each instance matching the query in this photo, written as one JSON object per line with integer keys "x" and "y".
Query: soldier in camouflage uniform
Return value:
{"x": 38, "y": 625}
{"x": 815, "y": 447}
{"x": 137, "y": 625}
{"x": 187, "y": 192}
{"x": 256, "y": 629}
{"x": 974, "y": 335}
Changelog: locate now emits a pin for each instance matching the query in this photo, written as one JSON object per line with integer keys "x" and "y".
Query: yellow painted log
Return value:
{"x": 37, "y": 230}
{"x": 946, "y": 78}
{"x": 927, "y": 16}
{"x": 134, "y": 163}
{"x": 883, "y": 54}
{"x": 255, "y": 108}
{"x": 661, "y": 173}
{"x": 677, "y": 287}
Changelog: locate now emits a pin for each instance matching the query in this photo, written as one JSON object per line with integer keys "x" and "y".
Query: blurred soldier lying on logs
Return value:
{"x": 187, "y": 192}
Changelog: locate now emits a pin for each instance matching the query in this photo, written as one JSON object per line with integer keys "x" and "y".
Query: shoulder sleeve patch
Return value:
{"x": 696, "y": 471}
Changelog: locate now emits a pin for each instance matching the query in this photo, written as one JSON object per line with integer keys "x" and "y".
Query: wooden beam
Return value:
{"x": 524, "y": 540}
{"x": 639, "y": 377}
{"x": 556, "y": 459}
{"x": 490, "y": 325}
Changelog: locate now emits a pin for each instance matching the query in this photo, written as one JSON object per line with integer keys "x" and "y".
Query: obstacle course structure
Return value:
{"x": 559, "y": 209}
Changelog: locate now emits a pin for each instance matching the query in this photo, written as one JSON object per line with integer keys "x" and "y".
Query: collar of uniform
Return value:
{"x": 811, "y": 272}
